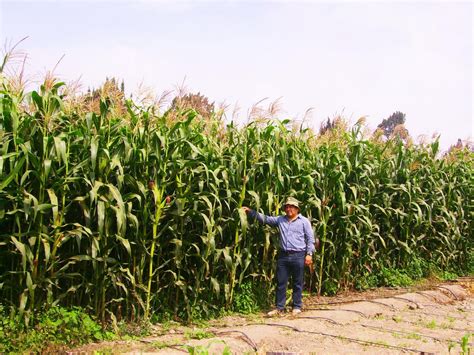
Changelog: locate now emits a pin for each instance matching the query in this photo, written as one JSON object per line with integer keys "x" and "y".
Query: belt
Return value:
{"x": 289, "y": 252}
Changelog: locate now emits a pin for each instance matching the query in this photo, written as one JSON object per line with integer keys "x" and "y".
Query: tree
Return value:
{"x": 388, "y": 125}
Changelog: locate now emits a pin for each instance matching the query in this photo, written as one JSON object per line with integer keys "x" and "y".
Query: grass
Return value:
{"x": 446, "y": 325}
{"x": 157, "y": 345}
{"x": 168, "y": 325}
{"x": 428, "y": 324}
{"x": 198, "y": 334}
{"x": 205, "y": 349}
{"x": 413, "y": 336}
{"x": 105, "y": 351}
{"x": 380, "y": 342}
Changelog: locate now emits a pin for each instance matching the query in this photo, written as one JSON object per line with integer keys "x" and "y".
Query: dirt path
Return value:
{"x": 432, "y": 319}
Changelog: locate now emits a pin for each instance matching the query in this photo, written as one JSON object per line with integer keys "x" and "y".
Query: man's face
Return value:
{"x": 291, "y": 211}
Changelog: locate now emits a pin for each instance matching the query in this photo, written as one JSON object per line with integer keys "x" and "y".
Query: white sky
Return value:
{"x": 350, "y": 58}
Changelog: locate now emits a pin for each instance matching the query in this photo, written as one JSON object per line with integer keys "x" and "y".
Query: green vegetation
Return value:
{"x": 248, "y": 299}
{"x": 413, "y": 336}
{"x": 56, "y": 329}
{"x": 204, "y": 350}
{"x": 156, "y": 345}
{"x": 416, "y": 269}
{"x": 134, "y": 214}
{"x": 430, "y": 324}
{"x": 465, "y": 347}
{"x": 198, "y": 334}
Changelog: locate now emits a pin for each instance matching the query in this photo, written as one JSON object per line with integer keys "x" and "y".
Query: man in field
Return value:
{"x": 296, "y": 250}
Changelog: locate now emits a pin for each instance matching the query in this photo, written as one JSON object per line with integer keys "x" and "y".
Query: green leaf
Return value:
{"x": 243, "y": 221}
{"x": 22, "y": 248}
{"x": 54, "y": 206}
{"x": 215, "y": 286}
{"x": 13, "y": 174}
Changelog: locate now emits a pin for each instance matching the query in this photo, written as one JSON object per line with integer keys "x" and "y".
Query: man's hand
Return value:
{"x": 246, "y": 209}
{"x": 317, "y": 244}
{"x": 308, "y": 260}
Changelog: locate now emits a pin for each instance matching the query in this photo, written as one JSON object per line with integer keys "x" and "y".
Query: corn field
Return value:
{"x": 137, "y": 214}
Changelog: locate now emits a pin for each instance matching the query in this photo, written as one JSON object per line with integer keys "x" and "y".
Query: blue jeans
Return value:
{"x": 290, "y": 264}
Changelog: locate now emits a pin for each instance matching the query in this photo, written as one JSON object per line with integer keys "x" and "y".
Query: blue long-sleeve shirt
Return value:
{"x": 296, "y": 235}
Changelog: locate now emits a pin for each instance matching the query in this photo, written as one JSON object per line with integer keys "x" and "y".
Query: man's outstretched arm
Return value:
{"x": 270, "y": 220}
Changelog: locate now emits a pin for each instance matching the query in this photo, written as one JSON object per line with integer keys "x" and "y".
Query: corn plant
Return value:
{"x": 137, "y": 214}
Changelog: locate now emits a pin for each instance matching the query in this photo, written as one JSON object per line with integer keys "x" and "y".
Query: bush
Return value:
{"x": 367, "y": 280}
{"x": 417, "y": 268}
{"x": 393, "y": 278}
{"x": 330, "y": 287}
{"x": 246, "y": 300}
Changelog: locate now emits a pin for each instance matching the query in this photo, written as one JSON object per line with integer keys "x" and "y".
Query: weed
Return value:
{"x": 55, "y": 329}
{"x": 447, "y": 275}
{"x": 164, "y": 344}
{"x": 449, "y": 323}
{"x": 466, "y": 349}
{"x": 393, "y": 277}
{"x": 380, "y": 342}
{"x": 204, "y": 350}
{"x": 396, "y": 335}
{"x": 105, "y": 351}
{"x": 198, "y": 334}
{"x": 132, "y": 330}
{"x": 330, "y": 287}
{"x": 201, "y": 323}
{"x": 246, "y": 299}
{"x": 367, "y": 280}
{"x": 168, "y": 325}
{"x": 417, "y": 268}
{"x": 451, "y": 346}
{"x": 431, "y": 325}
{"x": 413, "y": 336}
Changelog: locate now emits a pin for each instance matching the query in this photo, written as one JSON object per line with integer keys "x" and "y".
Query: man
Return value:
{"x": 296, "y": 250}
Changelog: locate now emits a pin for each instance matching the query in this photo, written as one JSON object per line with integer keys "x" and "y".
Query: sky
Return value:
{"x": 354, "y": 59}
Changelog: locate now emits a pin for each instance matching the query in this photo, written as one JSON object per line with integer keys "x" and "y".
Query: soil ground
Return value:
{"x": 429, "y": 318}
